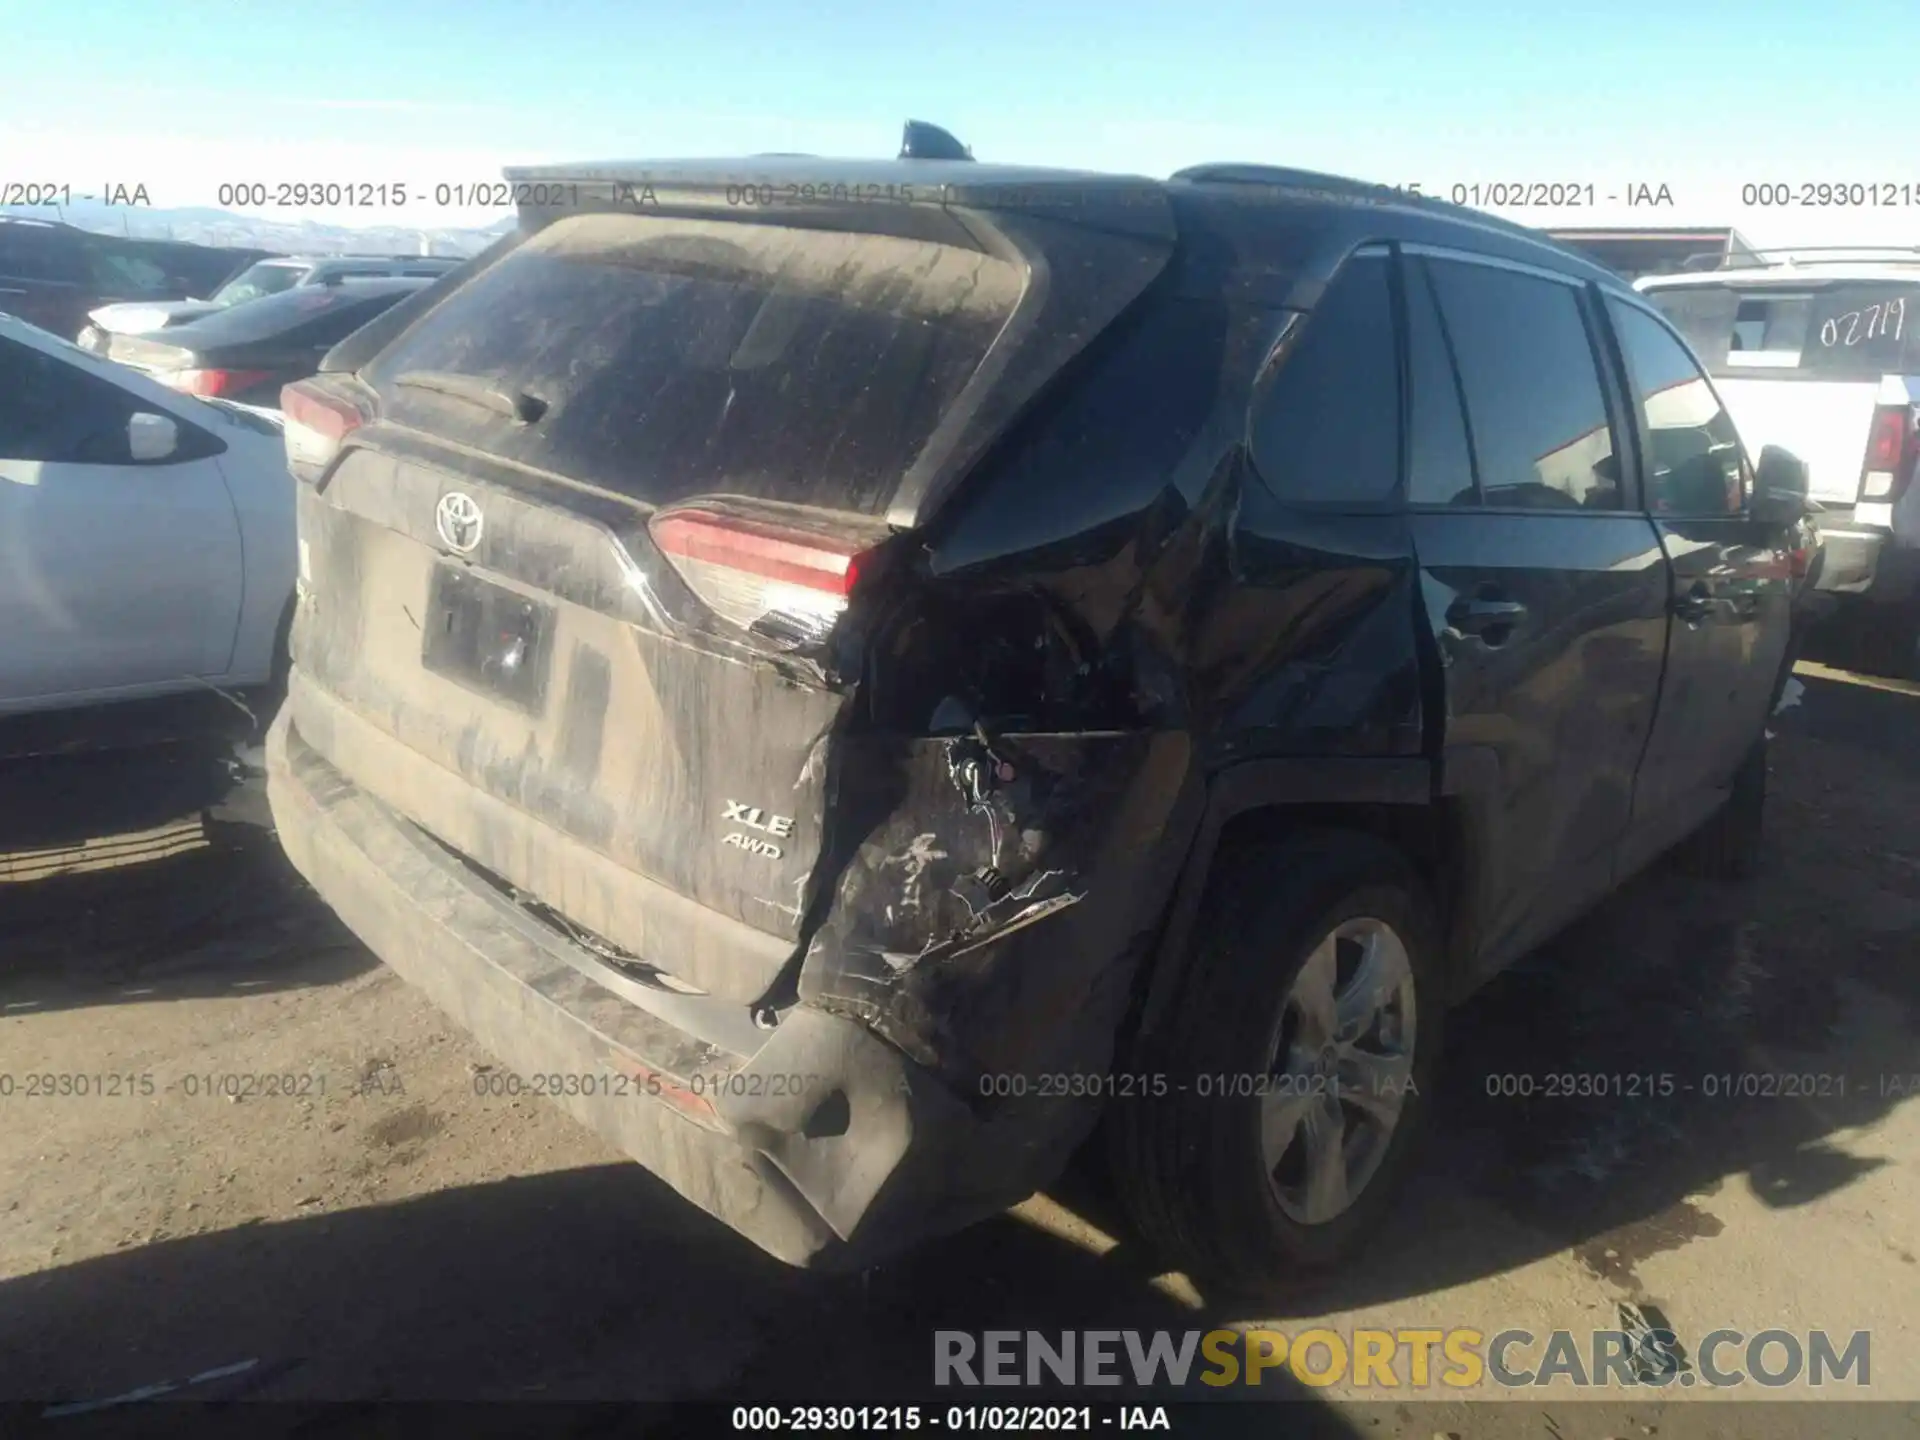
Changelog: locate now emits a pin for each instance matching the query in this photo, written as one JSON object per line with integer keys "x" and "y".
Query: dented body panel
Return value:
{"x": 854, "y": 910}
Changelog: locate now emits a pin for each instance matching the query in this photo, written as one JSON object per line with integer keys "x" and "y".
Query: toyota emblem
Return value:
{"x": 458, "y": 521}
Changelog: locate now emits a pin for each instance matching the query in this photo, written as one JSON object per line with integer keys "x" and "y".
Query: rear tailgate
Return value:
{"x": 1801, "y": 362}
{"x": 487, "y": 590}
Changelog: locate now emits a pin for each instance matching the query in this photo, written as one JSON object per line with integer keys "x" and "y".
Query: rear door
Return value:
{"x": 1731, "y": 581}
{"x": 1801, "y": 362}
{"x": 492, "y": 595}
{"x": 1545, "y": 586}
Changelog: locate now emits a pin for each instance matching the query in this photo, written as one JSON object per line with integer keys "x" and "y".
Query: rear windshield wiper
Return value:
{"x": 519, "y": 407}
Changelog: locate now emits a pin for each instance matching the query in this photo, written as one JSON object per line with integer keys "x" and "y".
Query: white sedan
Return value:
{"x": 146, "y": 536}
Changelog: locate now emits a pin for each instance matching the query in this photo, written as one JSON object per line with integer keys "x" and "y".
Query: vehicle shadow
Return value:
{"x": 151, "y": 874}
{"x": 589, "y": 1284}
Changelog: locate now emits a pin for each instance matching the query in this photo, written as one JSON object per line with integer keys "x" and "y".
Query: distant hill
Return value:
{"x": 202, "y": 225}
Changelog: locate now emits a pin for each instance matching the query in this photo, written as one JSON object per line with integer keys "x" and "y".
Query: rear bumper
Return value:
{"x": 827, "y": 1147}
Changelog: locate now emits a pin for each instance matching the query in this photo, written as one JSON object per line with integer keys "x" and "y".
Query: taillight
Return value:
{"x": 315, "y": 422}
{"x": 784, "y": 581}
{"x": 215, "y": 383}
{"x": 1892, "y": 449}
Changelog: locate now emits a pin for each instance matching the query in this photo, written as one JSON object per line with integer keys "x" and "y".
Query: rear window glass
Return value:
{"x": 680, "y": 358}
{"x": 1851, "y": 330}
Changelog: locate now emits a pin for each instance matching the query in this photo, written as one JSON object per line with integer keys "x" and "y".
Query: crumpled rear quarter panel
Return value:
{"x": 984, "y": 918}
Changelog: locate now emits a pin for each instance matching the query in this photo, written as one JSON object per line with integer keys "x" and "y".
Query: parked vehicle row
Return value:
{"x": 147, "y": 518}
{"x": 821, "y": 690}
{"x": 52, "y": 274}
{"x": 267, "y": 277}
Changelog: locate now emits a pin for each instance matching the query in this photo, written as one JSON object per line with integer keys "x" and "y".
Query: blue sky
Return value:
{"x": 1700, "y": 95}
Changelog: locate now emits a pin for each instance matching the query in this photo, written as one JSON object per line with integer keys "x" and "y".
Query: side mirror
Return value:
{"x": 1779, "y": 487}
{"x": 152, "y": 437}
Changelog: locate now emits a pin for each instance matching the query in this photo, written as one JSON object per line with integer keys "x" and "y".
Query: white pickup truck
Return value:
{"x": 1818, "y": 351}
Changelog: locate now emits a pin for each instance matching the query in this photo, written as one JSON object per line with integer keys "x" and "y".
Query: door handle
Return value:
{"x": 1696, "y": 605}
{"x": 1485, "y": 617}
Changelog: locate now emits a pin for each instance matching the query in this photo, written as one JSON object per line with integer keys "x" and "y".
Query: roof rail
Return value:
{"x": 1231, "y": 173}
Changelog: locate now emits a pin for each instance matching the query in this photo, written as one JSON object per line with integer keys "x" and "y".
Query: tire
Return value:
{"x": 1189, "y": 1164}
{"x": 1728, "y": 846}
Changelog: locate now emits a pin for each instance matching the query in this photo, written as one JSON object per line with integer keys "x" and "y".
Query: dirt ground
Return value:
{"x": 380, "y": 1230}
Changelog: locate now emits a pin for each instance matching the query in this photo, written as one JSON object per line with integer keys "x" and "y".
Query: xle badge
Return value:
{"x": 754, "y": 818}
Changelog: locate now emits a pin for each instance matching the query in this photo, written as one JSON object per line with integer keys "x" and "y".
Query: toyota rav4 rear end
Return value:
{"x": 626, "y": 722}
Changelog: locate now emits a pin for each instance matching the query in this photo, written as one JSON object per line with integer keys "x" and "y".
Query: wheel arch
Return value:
{"x": 1393, "y": 799}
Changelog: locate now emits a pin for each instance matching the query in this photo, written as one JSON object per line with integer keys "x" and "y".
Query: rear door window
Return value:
{"x": 1840, "y": 330}
{"x": 1327, "y": 428}
{"x": 1535, "y": 409}
{"x": 1439, "y": 462}
{"x": 679, "y": 358}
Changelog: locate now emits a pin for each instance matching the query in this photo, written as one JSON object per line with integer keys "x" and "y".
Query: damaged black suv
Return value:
{"x": 850, "y": 676}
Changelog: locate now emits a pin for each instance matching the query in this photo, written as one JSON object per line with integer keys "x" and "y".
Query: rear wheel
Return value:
{"x": 1299, "y": 1059}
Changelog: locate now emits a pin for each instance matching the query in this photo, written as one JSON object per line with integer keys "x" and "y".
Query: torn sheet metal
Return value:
{"x": 986, "y": 921}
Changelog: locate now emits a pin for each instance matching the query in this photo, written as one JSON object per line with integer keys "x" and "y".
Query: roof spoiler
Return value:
{"x": 921, "y": 141}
